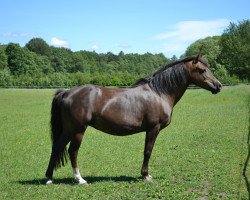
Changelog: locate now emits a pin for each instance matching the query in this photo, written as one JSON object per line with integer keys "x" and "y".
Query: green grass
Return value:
{"x": 199, "y": 156}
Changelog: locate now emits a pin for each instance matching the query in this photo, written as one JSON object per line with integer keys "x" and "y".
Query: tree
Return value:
{"x": 121, "y": 54}
{"x": 43, "y": 63}
{"x": 61, "y": 59}
{"x": 5, "y": 77}
{"x": 174, "y": 58}
{"x": 20, "y": 60}
{"x": 235, "y": 48}
{"x": 3, "y": 58}
{"x": 38, "y": 46}
{"x": 210, "y": 50}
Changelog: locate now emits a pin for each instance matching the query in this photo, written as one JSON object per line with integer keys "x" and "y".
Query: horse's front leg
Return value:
{"x": 149, "y": 144}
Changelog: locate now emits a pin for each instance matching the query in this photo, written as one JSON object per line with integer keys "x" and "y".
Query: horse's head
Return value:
{"x": 202, "y": 76}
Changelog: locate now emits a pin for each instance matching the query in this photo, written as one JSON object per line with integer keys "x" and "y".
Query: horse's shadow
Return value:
{"x": 90, "y": 180}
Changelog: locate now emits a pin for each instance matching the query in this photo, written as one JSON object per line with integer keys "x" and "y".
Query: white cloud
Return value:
{"x": 94, "y": 47}
{"x": 124, "y": 46}
{"x": 18, "y": 34}
{"x": 24, "y": 34}
{"x": 193, "y": 30}
{"x": 184, "y": 33}
{"x": 59, "y": 43}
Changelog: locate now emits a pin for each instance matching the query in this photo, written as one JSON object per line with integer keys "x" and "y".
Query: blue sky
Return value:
{"x": 132, "y": 26}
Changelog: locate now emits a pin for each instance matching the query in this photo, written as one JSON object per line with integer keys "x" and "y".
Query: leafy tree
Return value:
{"x": 3, "y": 58}
{"x": 43, "y": 64}
{"x": 61, "y": 59}
{"x": 5, "y": 77}
{"x": 174, "y": 58}
{"x": 39, "y": 46}
{"x": 121, "y": 54}
{"x": 14, "y": 54}
{"x": 235, "y": 48}
{"x": 20, "y": 60}
{"x": 210, "y": 50}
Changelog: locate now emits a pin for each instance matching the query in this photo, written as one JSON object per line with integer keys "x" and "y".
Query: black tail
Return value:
{"x": 56, "y": 128}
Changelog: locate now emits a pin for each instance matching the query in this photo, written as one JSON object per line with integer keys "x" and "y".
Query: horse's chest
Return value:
{"x": 159, "y": 113}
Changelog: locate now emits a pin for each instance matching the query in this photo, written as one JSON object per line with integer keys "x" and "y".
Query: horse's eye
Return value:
{"x": 201, "y": 71}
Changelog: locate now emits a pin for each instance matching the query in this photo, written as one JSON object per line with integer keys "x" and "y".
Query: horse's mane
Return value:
{"x": 169, "y": 77}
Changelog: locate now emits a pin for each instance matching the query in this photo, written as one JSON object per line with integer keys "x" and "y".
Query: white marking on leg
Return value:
{"x": 148, "y": 179}
{"x": 49, "y": 181}
{"x": 77, "y": 176}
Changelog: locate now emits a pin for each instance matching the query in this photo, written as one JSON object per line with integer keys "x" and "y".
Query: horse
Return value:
{"x": 145, "y": 106}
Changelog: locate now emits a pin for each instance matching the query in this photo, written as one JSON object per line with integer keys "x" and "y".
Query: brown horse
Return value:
{"x": 146, "y": 106}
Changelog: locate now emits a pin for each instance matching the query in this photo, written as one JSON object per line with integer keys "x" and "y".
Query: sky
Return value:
{"x": 131, "y": 26}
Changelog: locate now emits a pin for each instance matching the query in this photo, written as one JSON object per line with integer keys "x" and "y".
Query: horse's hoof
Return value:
{"x": 82, "y": 181}
{"x": 148, "y": 179}
{"x": 49, "y": 182}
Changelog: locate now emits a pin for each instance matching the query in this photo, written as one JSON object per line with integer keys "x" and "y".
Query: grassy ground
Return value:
{"x": 199, "y": 156}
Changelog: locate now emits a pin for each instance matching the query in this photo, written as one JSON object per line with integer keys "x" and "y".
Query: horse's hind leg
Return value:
{"x": 57, "y": 149}
{"x": 73, "y": 152}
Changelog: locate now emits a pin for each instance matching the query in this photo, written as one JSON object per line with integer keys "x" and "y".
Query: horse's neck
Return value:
{"x": 181, "y": 81}
{"x": 170, "y": 83}
{"x": 178, "y": 94}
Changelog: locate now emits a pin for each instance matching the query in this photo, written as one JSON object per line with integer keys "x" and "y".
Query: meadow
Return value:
{"x": 200, "y": 155}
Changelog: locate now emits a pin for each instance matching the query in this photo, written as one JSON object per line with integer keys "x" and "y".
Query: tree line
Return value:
{"x": 38, "y": 64}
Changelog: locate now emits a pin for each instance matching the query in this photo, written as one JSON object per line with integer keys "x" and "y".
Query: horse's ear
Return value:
{"x": 196, "y": 60}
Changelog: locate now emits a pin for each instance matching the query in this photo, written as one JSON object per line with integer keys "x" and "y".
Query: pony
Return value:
{"x": 146, "y": 106}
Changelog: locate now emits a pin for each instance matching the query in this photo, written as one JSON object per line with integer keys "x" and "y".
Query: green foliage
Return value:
{"x": 199, "y": 156}
{"x": 235, "y": 48}
{"x": 66, "y": 68}
{"x": 20, "y": 60}
{"x": 5, "y": 77}
{"x": 61, "y": 59}
{"x": 174, "y": 58}
{"x": 210, "y": 49}
{"x": 39, "y": 46}
{"x": 3, "y": 58}
{"x": 43, "y": 64}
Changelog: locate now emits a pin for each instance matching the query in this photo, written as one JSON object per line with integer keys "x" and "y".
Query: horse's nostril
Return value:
{"x": 219, "y": 85}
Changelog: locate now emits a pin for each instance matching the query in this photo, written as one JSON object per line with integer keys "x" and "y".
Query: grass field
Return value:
{"x": 199, "y": 156}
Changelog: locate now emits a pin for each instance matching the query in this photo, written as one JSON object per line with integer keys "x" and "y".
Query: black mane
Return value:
{"x": 168, "y": 78}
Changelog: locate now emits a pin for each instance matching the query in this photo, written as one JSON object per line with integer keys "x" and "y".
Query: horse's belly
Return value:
{"x": 117, "y": 127}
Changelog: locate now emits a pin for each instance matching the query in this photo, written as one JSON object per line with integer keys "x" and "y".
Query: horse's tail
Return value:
{"x": 57, "y": 129}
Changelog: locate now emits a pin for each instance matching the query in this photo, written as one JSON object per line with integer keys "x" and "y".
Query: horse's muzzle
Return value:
{"x": 216, "y": 88}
